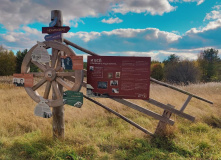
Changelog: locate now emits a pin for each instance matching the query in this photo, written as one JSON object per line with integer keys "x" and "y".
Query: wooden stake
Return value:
{"x": 161, "y": 127}
{"x": 58, "y": 112}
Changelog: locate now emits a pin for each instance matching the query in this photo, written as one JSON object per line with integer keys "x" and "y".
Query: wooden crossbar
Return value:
{"x": 166, "y": 107}
{"x": 144, "y": 110}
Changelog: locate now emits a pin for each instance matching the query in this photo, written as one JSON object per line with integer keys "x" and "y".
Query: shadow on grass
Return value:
{"x": 156, "y": 148}
{"x": 34, "y": 146}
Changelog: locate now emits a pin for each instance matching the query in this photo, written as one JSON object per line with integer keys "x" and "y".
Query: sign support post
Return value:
{"x": 58, "y": 112}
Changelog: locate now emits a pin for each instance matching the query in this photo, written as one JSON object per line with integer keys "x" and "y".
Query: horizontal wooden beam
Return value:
{"x": 179, "y": 90}
{"x": 161, "y": 105}
{"x": 144, "y": 110}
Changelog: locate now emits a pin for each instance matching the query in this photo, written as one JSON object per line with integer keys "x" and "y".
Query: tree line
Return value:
{"x": 206, "y": 68}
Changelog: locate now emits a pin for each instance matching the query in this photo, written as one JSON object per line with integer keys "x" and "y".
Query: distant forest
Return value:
{"x": 207, "y": 67}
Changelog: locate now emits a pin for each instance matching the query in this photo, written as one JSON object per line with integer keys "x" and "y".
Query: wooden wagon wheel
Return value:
{"x": 51, "y": 74}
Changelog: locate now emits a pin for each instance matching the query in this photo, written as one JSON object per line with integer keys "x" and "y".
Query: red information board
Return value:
{"x": 119, "y": 77}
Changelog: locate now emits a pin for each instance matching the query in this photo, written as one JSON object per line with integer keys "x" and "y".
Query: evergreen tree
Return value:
{"x": 208, "y": 61}
{"x": 19, "y": 59}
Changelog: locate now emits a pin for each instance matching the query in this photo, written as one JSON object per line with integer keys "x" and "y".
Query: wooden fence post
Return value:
{"x": 161, "y": 129}
{"x": 58, "y": 112}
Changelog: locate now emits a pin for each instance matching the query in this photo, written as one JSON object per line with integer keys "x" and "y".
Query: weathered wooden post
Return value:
{"x": 58, "y": 112}
{"x": 161, "y": 129}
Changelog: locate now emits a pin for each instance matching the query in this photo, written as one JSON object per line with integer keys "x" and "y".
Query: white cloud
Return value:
{"x": 9, "y": 38}
{"x": 156, "y": 7}
{"x": 198, "y": 1}
{"x": 22, "y": 12}
{"x": 112, "y": 20}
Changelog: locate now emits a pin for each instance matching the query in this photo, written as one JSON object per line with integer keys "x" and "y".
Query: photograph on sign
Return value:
{"x": 23, "y": 80}
{"x": 118, "y": 77}
{"x": 77, "y": 62}
{"x": 66, "y": 62}
{"x": 73, "y": 98}
{"x": 40, "y": 54}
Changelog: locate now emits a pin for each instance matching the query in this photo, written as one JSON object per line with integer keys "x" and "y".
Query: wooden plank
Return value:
{"x": 63, "y": 83}
{"x": 39, "y": 84}
{"x": 161, "y": 105}
{"x": 180, "y": 90}
{"x": 120, "y": 116}
{"x": 144, "y": 110}
{"x": 80, "y": 48}
{"x": 185, "y": 103}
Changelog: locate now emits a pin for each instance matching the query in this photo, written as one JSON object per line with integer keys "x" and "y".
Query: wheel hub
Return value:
{"x": 50, "y": 74}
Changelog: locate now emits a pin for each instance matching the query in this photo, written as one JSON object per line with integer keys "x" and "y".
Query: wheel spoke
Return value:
{"x": 58, "y": 67}
{"x": 40, "y": 66}
{"x": 54, "y": 58}
{"x": 39, "y": 84}
{"x": 63, "y": 83}
{"x": 65, "y": 74}
{"x": 47, "y": 90}
{"x": 56, "y": 90}
{"x": 37, "y": 74}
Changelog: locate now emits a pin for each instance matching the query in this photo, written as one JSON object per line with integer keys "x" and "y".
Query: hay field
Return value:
{"x": 93, "y": 133}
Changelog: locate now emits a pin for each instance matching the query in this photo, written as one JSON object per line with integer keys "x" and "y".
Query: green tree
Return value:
{"x": 171, "y": 59}
{"x": 19, "y": 59}
{"x": 208, "y": 61}
{"x": 7, "y": 62}
{"x": 157, "y": 71}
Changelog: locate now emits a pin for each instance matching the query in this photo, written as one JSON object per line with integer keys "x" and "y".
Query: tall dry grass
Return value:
{"x": 91, "y": 130}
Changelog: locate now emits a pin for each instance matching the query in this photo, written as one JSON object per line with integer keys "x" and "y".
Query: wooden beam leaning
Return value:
{"x": 121, "y": 116}
{"x": 161, "y": 105}
{"x": 80, "y": 48}
{"x": 144, "y": 110}
{"x": 179, "y": 90}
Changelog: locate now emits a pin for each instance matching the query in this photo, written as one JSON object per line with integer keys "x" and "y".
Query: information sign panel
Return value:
{"x": 77, "y": 62}
{"x": 23, "y": 80}
{"x": 73, "y": 98}
{"x": 119, "y": 77}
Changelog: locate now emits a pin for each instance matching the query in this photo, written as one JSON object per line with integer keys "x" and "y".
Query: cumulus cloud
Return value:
{"x": 156, "y": 7}
{"x": 112, "y": 20}
{"x": 198, "y": 1}
{"x": 22, "y": 12}
{"x": 24, "y": 39}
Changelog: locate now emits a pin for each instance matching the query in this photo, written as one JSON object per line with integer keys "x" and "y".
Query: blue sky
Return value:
{"x": 155, "y": 28}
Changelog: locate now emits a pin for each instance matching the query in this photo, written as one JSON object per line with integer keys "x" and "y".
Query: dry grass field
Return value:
{"x": 93, "y": 133}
